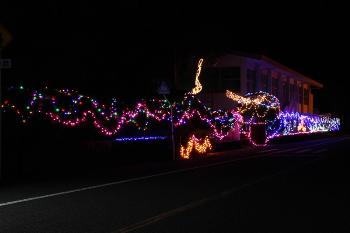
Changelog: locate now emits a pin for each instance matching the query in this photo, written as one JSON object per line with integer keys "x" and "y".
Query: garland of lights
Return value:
{"x": 198, "y": 85}
{"x": 296, "y": 123}
{"x": 74, "y": 109}
{"x": 260, "y": 106}
{"x": 140, "y": 139}
{"x": 71, "y": 109}
{"x": 200, "y": 146}
{"x": 220, "y": 122}
{"x": 109, "y": 119}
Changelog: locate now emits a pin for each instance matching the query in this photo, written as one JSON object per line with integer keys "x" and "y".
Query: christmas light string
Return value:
{"x": 71, "y": 109}
{"x": 195, "y": 144}
{"x": 296, "y": 123}
{"x": 109, "y": 119}
{"x": 138, "y": 139}
{"x": 258, "y": 104}
{"x": 264, "y": 109}
{"x": 198, "y": 85}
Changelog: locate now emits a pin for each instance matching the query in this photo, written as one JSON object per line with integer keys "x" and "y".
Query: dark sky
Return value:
{"x": 111, "y": 47}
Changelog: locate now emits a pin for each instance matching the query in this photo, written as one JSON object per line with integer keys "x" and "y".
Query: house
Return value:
{"x": 245, "y": 73}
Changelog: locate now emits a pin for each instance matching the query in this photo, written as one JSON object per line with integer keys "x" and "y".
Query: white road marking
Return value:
{"x": 288, "y": 150}
{"x": 320, "y": 151}
{"x": 302, "y": 151}
{"x": 140, "y": 178}
{"x": 197, "y": 203}
{"x": 126, "y": 181}
{"x": 264, "y": 151}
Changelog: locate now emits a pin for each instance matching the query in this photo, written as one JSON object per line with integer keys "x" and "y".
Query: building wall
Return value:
{"x": 216, "y": 100}
{"x": 281, "y": 83}
{"x": 311, "y": 101}
{"x": 258, "y": 75}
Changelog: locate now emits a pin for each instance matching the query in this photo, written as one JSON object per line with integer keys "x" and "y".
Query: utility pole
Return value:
{"x": 164, "y": 90}
{"x": 172, "y": 130}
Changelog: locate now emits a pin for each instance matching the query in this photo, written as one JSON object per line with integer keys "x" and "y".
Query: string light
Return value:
{"x": 301, "y": 126}
{"x": 263, "y": 108}
{"x": 71, "y": 109}
{"x": 258, "y": 108}
{"x": 135, "y": 139}
{"x": 201, "y": 146}
{"x": 237, "y": 98}
{"x": 296, "y": 123}
{"x": 259, "y": 104}
{"x": 198, "y": 85}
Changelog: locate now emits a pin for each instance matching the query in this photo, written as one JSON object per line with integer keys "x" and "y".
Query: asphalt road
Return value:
{"x": 289, "y": 187}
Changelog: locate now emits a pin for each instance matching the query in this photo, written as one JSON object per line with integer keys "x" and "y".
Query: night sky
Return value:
{"x": 120, "y": 49}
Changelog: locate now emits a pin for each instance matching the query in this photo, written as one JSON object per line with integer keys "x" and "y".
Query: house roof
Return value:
{"x": 278, "y": 65}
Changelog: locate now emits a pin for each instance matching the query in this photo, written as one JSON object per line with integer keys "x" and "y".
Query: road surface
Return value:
{"x": 289, "y": 187}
